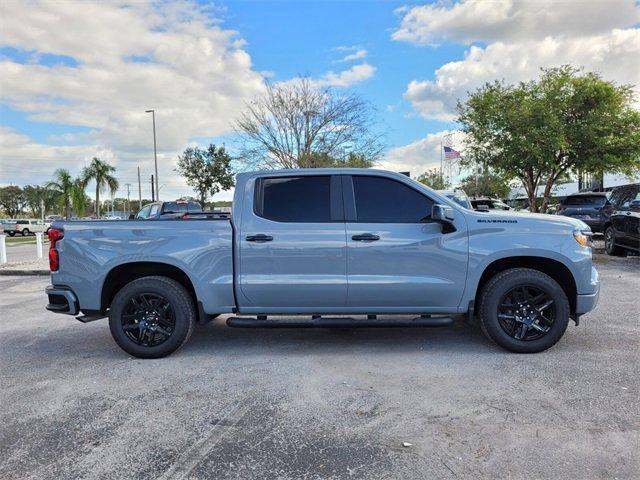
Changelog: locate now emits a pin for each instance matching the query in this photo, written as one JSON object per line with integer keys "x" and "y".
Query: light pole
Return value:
{"x": 155, "y": 153}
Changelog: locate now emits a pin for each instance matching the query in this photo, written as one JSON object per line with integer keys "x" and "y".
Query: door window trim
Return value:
{"x": 336, "y": 203}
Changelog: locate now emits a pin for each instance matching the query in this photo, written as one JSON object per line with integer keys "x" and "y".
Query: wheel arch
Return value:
{"x": 124, "y": 273}
{"x": 554, "y": 268}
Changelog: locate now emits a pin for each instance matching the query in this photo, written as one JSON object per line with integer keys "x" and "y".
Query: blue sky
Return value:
{"x": 76, "y": 77}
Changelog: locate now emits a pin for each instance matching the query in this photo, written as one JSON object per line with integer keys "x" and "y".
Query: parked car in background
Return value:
{"x": 622, "y": 225}
{"x": 51, "y": 218}
{"x": 157, "y": 210}
{"x": 457, "y": 195}
{"x": 588, "y": 207}
{"x": 486, "y": 204}
{"x": 24, "y": 227}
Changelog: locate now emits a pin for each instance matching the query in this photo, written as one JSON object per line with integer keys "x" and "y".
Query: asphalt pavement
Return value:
{"x": 320, "y": 404}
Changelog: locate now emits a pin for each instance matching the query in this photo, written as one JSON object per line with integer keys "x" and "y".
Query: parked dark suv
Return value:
{"x": 590, "y": 207}
{"x": 622, "y": 228}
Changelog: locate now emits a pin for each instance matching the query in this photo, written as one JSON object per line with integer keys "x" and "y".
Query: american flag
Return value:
{"x": 450, "y": 153}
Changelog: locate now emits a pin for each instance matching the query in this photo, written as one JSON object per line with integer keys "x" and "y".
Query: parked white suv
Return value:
{"x": 24, "y": 227}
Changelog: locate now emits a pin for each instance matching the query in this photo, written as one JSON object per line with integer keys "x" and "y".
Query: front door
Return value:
{"x": 293, "y": 247}
{"x": 397, "y": 259}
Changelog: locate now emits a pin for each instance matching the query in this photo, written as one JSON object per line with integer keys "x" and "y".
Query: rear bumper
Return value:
{"x": 62, "y": 300}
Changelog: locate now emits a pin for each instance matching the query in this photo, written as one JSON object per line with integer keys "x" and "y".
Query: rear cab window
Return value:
{"x": 303, "y": 199}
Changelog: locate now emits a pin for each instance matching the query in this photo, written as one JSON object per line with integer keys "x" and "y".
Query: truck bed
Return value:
{"x": 201, "y": 248}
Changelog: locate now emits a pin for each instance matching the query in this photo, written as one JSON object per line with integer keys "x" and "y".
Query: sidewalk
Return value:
{"x": 38, "y": 266}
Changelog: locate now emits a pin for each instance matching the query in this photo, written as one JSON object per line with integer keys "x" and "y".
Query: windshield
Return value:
{"x": 586, "y": 200}
{"x": 461, "y": 199}
{"x": 176, "y": 207}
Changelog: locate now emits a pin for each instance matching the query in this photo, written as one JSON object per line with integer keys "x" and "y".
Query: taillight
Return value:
{"x": 54, "y": 258}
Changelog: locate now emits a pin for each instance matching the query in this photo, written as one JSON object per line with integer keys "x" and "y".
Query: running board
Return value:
{"x": 339, "y": 322}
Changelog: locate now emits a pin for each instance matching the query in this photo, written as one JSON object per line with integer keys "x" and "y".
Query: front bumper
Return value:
{"x": 587, "y": 302}
{"x": 62, "y": 300}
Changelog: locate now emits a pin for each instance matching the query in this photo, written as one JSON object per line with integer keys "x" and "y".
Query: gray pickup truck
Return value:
{"x": 315, "y": 243}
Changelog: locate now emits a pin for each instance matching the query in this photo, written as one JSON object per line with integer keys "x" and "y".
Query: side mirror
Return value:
{"x": 442, "y": 213}
{"x": 132, "y": 216}
{"x": 482, "y": 208}
{"x": 635, "y": 205}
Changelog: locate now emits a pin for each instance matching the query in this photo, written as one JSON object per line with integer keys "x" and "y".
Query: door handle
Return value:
{"x": 365, "y": 237}
{"x": 261, "y": 237}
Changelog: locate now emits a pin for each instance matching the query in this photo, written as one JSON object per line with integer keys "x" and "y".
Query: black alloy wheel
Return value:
{"x": 151, "y": 317}
{"x": 526, "y": 313}
{"x": 523, "y": 310}
{"x": 148, "y": 319}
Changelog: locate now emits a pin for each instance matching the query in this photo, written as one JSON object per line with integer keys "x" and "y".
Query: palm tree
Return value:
{"x": 64, "y": 185}
{"x": 78, "y": 197}
{"x": 100, "y": 172}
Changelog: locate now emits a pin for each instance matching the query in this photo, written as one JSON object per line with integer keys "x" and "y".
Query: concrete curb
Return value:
{"x": 23, "y": 273}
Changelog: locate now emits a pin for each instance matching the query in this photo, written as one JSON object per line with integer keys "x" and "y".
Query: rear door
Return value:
{"x": 292, "y": 245}
{"x": 397, "y": 258}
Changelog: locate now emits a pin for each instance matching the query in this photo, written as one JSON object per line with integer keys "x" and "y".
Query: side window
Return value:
{"x": 382, "y": 200}
{"x": 294, "y": 199}
{"x": 144, "y": 213}
{"x": 154, "y": 210}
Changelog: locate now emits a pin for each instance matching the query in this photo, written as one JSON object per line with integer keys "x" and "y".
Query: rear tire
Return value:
{"x": 152, "y": 317}
{"x": 11, "y": 234}
{"x": 25, "y": 232}
{"x": 610, "y": 246}
{"x": 542, "y": 327}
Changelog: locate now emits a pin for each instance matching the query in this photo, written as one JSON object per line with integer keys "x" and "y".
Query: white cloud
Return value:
{"x": 421, "y": 155}
{"x": 119, "y": 60}
{"x": 615, "y": 55}
{"x": 512, "y": 20}
{"x": 346, "y": 78}
{"x": 343, "y": 79}
{"x": 519, "y": 37}
{"x": 357, "y": 55}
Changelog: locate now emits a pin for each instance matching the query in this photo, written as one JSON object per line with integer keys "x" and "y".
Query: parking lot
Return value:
{"x": 325, "y": 404}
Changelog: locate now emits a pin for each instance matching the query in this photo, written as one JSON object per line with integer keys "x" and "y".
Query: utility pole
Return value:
{"x": 128, "y": 199}
{"x": 155, "y": 153}
{"x": 153, "y": 195}
{"x": 139, "y": 191}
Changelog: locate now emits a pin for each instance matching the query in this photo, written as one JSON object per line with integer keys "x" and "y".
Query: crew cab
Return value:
{"x": 370, "y": 246}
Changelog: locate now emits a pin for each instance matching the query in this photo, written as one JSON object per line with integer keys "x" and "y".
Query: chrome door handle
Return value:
{"x": 261, "y": 237}
{"x": 365, "y": 237}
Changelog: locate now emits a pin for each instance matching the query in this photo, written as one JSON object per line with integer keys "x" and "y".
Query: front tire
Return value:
{"x": 25, "y": 232}
{"x": 524, "y": 310}
{"x": 152, "y": 317}
{"x": 610, "y": 246}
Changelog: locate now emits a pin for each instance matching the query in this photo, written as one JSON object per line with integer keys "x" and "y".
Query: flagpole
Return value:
{"x": 441, "y": 148}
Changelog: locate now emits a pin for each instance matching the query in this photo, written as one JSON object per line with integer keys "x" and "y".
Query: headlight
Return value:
{"x": 583, "y": 237}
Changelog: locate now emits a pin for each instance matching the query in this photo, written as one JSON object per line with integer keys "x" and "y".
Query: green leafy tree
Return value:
{"x": 324, "y": 160}
{"x": 12, "y": 200}
{"x": 435, "y": 179}
{"x": 206, "y": 171}
{"x": 539, "y": 131}
{"x": 102, "y": 173}
{"x": 37, "y": 198}
{"x": 486, "y": 184}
